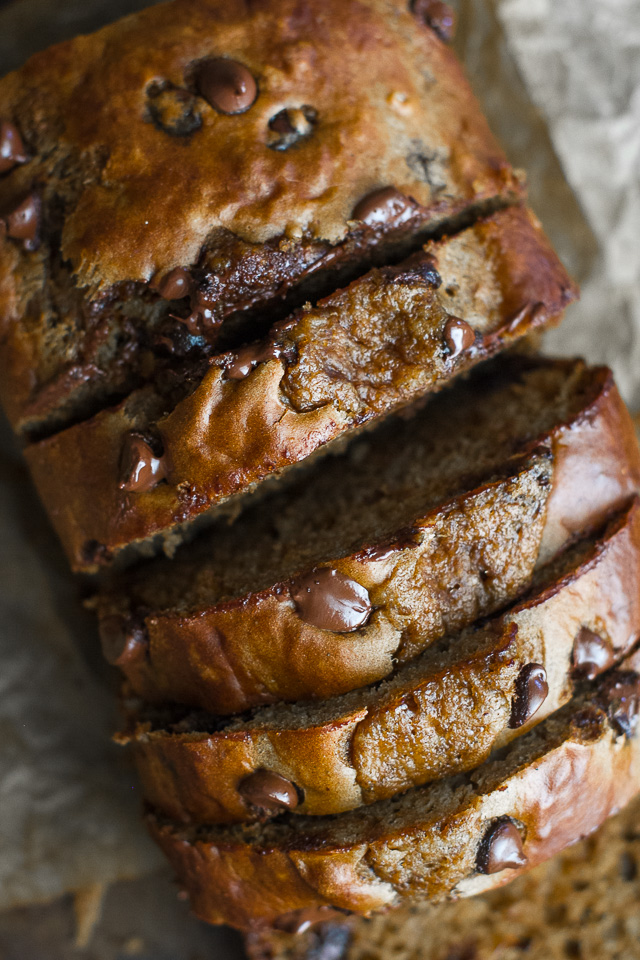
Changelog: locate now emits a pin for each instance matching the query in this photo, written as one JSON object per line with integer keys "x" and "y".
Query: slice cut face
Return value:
{"x": 440, "y": 714}
{"x": 140, "y": 216}
{"x": 457, "y": 837}
{"x": 222, "y": 425}
{"x": 412, "y": 534}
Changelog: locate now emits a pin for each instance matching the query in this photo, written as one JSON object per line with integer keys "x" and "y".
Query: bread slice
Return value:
{"x": 427, "y": 525}
{"x": 457, "y": 837}
{"x": 440, "y": 714}
{"x": 138, "y": 476}
{"x": 582, "y": 904}
{"x": 356, "y": 133}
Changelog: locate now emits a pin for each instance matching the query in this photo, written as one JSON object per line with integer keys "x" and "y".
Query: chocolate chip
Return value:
{"x": 203, "y": 315}
{"x": 12, "y": 150}
{"x": 437, "y": 15}
{"x": 227, "y": 85}
{"x": 427, "y": 165}
{"x": 173, "y": 110}
{"x": 141, "y": 468}
{"x": 384, "y": 207}
{"x": 242, "y": 361}
{"x": 175, "y": 285}
{"x": 290, "y": 127}
{"x": 419, "y": 268}
{"x": 269, "y": 793}
{"x": 23, "y": 223}
{"x": 123, "y": 641}
{"x": 531, "y": 691}
{"x": 501, "y": 848}
{"x": 458, "y": 336}
{"x": 620, "y": 696}
{"x": 331, "y": 601}
{"x": 298, "y": 921}
{"x": 591, "y": 654}
{"x": 404, "y": 540}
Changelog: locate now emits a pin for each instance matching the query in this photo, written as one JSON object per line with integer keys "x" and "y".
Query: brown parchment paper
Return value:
{"x": 560, "y": 81}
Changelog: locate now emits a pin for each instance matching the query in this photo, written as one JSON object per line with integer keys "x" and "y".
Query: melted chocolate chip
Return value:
{"x": 591, "y": 654}
{"x": 23, "y": 223}
{"x": 173, "y": 110}
{"x": 531, "y": 692}
{"x": 202, "y": 316}
{"x": 227, "y": 85}
{"x": 620, "y": 695}
{"x": 458, "y": 336}
{"x": 175, "y": 285}
{"x": 329, "y": 600}
{"x": 382, "y": 551}
{"x": 290, "y": 127}
{"x": 437, "y": 15}
{"x": 141, "y": 468}
{"x": 298, "y": 921}
{"x": 242, "y": 361}
{"x": 420, "y": 268}
{"x": 384, "y": 207}
{"x": 501, "y": 848}
{"x": 269, "y": 793}
{"x": 12, "y": 150}
{"x": 124, "y": 642}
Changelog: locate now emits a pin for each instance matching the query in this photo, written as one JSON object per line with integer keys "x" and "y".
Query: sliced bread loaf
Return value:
{"x": 457, "y": 837}
{"x": 414, "y": 533}
{"x": 138, "y": 476}
{"x": 442, "y": 713}
{"x": 222, "y": 156}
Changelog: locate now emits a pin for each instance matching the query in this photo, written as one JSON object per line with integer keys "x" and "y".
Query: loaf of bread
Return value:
{"x": 442, "y": 713}
{"x": 581, "y": 904}
{"x": 459, "y": 836}
{"x": 236, "y": 237}
{"x": 416, "y": 532}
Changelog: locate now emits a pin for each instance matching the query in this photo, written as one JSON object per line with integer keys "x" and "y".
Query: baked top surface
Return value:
{"x": 390, "y": 107}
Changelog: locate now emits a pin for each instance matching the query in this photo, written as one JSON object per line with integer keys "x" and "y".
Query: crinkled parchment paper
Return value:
{"x": 560, "y": 81}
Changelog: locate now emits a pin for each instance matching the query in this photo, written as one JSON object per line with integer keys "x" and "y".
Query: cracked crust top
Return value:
{"x": 160, "y": 164}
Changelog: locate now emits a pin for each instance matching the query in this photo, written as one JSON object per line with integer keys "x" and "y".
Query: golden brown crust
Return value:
{"x": 563, "y": 780}
{"x": 584, "y": 901}
{"x": 253, "y": 650}
{"x": 176, "y": 194}
{"x": 125, "y": 200}
{"x": 435, "y": 720}
{"x": 384, "y": 336}
{"x": 582, "y": 481}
